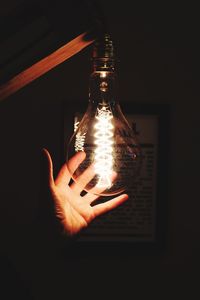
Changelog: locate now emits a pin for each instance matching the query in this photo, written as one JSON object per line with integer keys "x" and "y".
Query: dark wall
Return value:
{"x": 158, "y": 49}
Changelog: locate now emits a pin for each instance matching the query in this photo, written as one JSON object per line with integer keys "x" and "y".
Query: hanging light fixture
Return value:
{"x": 104, "y": 134}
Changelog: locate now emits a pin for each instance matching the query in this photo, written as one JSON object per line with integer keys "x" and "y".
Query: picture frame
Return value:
{"x": 139, "y": 225}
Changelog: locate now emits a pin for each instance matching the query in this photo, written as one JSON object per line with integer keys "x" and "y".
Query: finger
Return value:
{"x": 102, "y": 208}
{"x": 50, "y": 166}
{"x": 82, "y": 180}
{"x": 64, "y": 174}
{"x": 96, "y": 192}
{"x": 89, "y": 198}
{"x": 93, "y": 194}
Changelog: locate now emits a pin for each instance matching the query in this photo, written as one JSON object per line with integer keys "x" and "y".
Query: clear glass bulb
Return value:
{"x": 104, "y": 134}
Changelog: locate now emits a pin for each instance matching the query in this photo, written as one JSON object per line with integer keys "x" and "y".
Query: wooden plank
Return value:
{"x": 45, "y": 65}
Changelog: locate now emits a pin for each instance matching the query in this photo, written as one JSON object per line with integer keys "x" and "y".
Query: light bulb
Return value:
{"x": 104, "y": 134}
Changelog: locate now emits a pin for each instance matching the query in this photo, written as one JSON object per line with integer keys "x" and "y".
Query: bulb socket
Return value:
{"x": 103, "y": 48}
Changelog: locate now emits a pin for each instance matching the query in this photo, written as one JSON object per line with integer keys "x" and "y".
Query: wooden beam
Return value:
{"x": 44, "y": 65}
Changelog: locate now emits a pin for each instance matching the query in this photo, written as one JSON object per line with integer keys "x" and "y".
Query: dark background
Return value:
{"x": 158, "y": 48}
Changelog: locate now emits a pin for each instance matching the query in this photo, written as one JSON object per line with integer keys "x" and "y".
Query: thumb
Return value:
{"x": 50, "y": 166}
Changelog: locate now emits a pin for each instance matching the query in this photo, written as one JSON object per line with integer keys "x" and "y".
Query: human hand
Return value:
{"x": 73, "y": 210}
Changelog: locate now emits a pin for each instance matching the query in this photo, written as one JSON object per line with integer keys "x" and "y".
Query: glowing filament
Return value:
{"x": 76, "y": 123}
{"x": 79, "y": 142}
{"x": 80, "y": 138}
{"x": 103, "y": 152}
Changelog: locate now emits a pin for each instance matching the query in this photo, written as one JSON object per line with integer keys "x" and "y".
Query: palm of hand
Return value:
{"x": 75, "y": 211}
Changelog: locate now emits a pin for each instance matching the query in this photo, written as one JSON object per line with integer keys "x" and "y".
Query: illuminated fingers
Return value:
{"x": 83, "y": 180}
{"x": 50, "y": 166}
{"x": 96, "y": 192}
{"x": 89, "y": 198}
{"x": 102, "y": 208}
{"x": 64, "y": 176}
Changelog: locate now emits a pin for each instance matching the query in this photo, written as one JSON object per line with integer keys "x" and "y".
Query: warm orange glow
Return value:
{"x": 44, "y": 65}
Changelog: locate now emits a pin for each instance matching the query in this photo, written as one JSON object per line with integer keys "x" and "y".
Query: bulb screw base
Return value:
{"x": 104, "y": 48}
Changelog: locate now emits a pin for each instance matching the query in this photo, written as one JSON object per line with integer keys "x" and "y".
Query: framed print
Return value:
{"x": 141, "y": 222}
